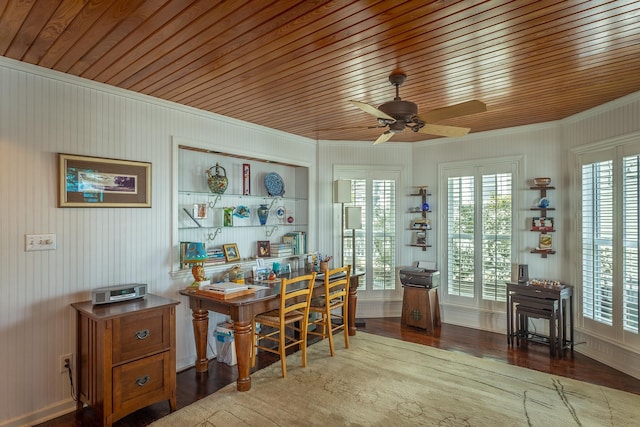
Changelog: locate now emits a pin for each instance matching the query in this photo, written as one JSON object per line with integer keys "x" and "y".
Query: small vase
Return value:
{"x": 263, "y": 214}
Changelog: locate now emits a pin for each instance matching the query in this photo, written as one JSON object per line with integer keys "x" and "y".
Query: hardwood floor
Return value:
{"x": 192, "y": 386}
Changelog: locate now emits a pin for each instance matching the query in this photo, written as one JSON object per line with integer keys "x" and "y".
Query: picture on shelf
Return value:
{"x": 264, "y": 248}
{"x": 545, "y": 242}
{"x": 542, "y": 224}
{"x": 420, "y": 224}
{"x": 228, "y": 217}
{"x": 200, "y": 210}
{"x": 231, "y": 252}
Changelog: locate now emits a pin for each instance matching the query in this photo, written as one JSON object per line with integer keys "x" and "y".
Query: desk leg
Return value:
{"x": 200, "y": 331}
{"x": 353, "y": 300}
{"x": 243, "y": 336}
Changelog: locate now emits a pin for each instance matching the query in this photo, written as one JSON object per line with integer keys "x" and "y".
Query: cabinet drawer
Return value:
{"x": 141, "y": 334}
{"x": 137, "y": 383}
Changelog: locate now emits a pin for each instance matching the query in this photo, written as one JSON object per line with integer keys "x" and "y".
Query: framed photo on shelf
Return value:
{"x": 264, "y": 248}
{"x": 95, "y": 182}
{"x": 231, "y": 252}
{"x": 545, "y": 242}
{"x": 542, "y": 224}
{"x": 200, "y": 210}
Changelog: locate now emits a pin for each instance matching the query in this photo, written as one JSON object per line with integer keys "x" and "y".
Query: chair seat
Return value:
{"x": 273, "y": 317}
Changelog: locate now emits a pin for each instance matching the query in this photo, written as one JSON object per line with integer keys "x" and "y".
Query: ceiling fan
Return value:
{"x": 399, "y": 115}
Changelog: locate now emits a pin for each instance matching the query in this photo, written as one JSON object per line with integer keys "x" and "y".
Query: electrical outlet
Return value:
{"x": 63, "y": 362}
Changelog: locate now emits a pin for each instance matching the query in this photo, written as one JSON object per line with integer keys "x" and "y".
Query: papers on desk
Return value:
{"x": 225, "y": 287}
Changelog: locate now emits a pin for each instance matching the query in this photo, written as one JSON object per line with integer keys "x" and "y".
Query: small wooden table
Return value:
{"x": 242, "y": 310}
{"x": 560, "y": 296}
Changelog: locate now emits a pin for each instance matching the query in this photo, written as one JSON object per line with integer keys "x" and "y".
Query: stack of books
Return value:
{"x": 225, "y": 290}
{"x": 297, "y": 240}
{"x": 216, "y": 256}
{"x": 281, "y": 249}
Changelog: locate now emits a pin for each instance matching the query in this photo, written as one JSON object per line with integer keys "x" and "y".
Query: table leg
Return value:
{"x": 353, "y": 300}
{"x": 200, "y": 331}
{"x": 243, "y": 336}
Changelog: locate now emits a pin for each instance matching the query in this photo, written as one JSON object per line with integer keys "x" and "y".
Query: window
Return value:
{"x": 602, "y": 286}
{"x": 479, "y": 230}
{"x": 374, "y": 191}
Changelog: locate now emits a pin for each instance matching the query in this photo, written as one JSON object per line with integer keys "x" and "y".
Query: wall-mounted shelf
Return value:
{"x": 421, "y": 225}
{"x": 543, "y": 224}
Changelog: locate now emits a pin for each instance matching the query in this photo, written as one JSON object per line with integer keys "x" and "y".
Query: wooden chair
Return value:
{"x": 287, "y": 326}
{"x": 333, "y": 305}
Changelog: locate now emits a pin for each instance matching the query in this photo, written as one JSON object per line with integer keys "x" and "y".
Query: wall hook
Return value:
{"x": 273, "y": 229}
{"x": 213, "y": 204}
{"x": 212, "y": 236}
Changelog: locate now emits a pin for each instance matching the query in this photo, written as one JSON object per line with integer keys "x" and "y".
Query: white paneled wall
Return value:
{"x": 43, "y": 113}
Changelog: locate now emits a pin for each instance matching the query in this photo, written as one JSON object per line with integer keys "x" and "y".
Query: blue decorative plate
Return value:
{"x": 242, "y": 212}
{"x": 274, "y": 184}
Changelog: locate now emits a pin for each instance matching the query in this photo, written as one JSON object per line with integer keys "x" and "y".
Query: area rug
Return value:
{"x": 381, "y": 381}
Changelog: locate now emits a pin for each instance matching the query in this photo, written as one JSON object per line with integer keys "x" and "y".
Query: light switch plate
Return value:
{"x": 40, "y": 242}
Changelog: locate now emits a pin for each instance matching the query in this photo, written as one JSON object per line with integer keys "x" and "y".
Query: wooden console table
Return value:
{"x": 242, "y": 310}
{"x": 558, "y": 297}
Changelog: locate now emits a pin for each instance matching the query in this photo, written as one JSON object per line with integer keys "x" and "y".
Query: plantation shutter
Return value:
{"x": 383, "y": 229}
{"x": 460, "y": 236}
{"x": 597, "y": 241}
{"x": 496, "y": 235}
{"x": 630, "y": 212}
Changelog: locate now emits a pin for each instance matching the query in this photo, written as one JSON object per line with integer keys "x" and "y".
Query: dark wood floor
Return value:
{"x": 192, "y": 386}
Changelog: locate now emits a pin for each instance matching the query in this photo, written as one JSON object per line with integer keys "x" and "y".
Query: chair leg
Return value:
{"x": 345, "y": 329}
{"x": 254, "y": 344}
{"x": 303, "y": 344}
{"x": 283, "y": 352}
{"x": 330, "y": 330}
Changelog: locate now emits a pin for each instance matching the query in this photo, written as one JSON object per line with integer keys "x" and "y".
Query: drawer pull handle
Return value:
{"x": 142, "y": 334}
{"x": 143, "y": 380}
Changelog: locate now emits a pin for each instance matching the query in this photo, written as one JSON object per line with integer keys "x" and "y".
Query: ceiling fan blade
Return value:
{"x": 457, "y": 110}
{"x": 372, "y": 110}
{"x": 384, "y": 137}
{"x": 442, "y": 130}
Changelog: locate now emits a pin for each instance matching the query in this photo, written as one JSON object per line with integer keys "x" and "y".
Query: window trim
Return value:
{"x": 477, "y": 167}
{"x": 366, "y": 293}
{"x": 612, "y": 149}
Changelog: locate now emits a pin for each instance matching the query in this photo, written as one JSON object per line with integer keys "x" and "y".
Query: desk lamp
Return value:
{"x": 196, "y": 254}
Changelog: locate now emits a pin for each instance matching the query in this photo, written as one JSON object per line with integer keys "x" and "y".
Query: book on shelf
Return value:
{"x": 545, "y": 242}
{"x": 297, "y": 240}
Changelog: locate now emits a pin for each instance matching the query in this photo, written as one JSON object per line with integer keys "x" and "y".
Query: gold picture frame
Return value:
{"x": 231, "y": 252}
{"x": 96, "y": 182}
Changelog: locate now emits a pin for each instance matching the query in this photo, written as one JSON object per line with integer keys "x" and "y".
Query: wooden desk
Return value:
{"x": 241, "y": 310}
{"x": 560, "y": 296}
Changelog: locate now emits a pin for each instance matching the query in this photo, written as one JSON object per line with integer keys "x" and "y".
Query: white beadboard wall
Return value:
{"x": 43, "y": 113}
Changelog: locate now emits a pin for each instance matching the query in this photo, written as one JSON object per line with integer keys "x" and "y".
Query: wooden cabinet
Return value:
{"x": 126, "y": 355}
{"x": 421, "y": 225}
{"x": 420, "y": 308}
{"x": 543, "y": 224}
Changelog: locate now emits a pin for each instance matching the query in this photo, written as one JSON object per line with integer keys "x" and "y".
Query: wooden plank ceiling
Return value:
{"x": 293, "y": 65}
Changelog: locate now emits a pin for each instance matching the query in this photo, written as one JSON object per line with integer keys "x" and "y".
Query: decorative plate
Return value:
{"x": 543, "y": 203}
{"x": 274, "y": 184}
{"x": 280, "y": 211}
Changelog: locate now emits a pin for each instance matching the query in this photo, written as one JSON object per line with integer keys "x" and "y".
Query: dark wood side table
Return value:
{"x": 559, "y": 297}
{"x": 126, "y": 355}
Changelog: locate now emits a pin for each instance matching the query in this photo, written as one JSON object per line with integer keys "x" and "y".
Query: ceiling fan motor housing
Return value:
{"x": 400, "y": 110}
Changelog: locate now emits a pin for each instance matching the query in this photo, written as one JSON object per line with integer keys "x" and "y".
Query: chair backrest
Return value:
{"x": 297, "y": 299}
{"x": 337, "y": 287}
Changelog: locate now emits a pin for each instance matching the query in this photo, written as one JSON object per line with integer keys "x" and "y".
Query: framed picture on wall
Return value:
{"x": 95, "y": 182}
